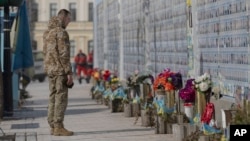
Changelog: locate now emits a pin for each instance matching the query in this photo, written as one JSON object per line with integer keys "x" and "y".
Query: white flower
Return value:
{"x": 203, "y": 86}
{"x": 198, "y": 80}
{"x": 203, "y": 82}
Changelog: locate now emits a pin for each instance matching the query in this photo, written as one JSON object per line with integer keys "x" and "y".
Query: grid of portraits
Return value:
{"x": 223, "y": 37}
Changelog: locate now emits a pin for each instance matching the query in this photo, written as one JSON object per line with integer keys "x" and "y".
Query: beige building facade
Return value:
{"x": 80, "y": 28}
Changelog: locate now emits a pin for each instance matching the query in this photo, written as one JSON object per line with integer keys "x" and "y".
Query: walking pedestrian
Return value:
{"x": 89, "y": 66}
{"x": 58, "y": 68}
{"x": 81, "y": 62}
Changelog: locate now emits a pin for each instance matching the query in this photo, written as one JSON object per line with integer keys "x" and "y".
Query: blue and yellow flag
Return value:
{"x": 23, "y": 57}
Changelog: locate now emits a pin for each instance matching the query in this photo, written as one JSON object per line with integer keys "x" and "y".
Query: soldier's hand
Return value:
{"x": 70, "y": 79}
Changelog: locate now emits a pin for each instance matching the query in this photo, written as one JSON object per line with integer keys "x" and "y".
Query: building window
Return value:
{"x": 53, "y": 9}
{"x": 90, "y": 45}
{"x": 91, "y": 11}
{"x": 72, "y": 48}
{"x": 72, "y": 9}
{"x": 34, "y": 45}
{"x": 34, "y": 11}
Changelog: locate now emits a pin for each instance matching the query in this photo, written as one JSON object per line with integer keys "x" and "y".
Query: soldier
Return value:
{"x": 58, "y": 68}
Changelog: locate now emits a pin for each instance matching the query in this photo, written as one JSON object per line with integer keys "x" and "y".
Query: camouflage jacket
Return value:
{"x": 56, "y": 48}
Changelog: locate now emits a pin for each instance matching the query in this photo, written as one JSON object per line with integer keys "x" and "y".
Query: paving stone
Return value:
{"x": 89, "y": 121}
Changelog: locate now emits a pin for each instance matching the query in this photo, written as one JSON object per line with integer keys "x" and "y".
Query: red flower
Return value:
{"x": 106, "y": 75}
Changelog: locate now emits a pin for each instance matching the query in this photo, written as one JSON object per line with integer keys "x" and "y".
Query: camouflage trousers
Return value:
{"x": 58, "y": 100}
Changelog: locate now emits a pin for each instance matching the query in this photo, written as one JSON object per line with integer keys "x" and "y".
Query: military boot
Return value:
{"x": 61, "y": 131}
{"x": 51, "y": 129}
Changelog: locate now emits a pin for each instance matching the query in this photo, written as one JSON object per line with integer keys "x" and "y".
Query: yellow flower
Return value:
{"x": 114, "y": 80}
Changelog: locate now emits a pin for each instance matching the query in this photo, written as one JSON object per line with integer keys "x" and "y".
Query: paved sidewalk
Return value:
{"x": 89, "y": 121}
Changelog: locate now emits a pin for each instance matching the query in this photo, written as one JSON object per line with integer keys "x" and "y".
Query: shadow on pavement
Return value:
{"x": 113, "y": 131}
{"x": 27, "y": 113}
{"x": 82, "y": 105}
{"x": 73, "y": 100}
{"x": 83, "y": 111}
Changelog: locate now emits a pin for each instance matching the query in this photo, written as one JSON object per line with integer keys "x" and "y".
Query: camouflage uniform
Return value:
{"x": 57, "y": 66}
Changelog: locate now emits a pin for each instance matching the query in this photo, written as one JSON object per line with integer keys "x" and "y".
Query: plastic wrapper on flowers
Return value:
{"x": 197, "y": 118}
{"x": 137, "y": 100}
{"x": 99, "y": 88}
{"x": 107, "y": 93}
{"x": 162, "y": 108}
{"x": 117, "y": 94}
{"x": 209, "y": 130}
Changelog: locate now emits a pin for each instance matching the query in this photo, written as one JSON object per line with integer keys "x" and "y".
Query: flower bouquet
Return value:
{"x": 187, "y": 94}
{"x": 116, "y": 98}
{"x": 203, "y": 85}
{"x": 98, "y": 92}
{"x": 108, "y": 93}
{"x": 96, "y": 82}
{"x": 96, "y": 74}
{"x": 145, "y": 80}
{"x": 168, "y": 81}
{"x": 134, "y": 86}
{"x": 114, "y": 83}
{"x": 106, "y": 77}
{"x": 145, "y": 77}
{"x": 165, "y": 84}
{"x": 115, "y": 95}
